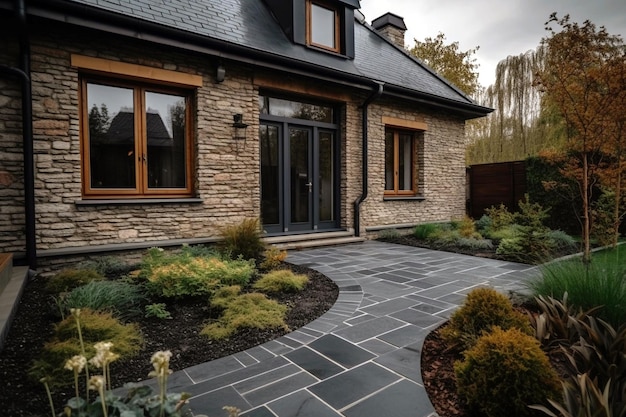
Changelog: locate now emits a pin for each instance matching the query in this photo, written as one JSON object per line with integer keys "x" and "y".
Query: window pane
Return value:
{"x": 326, "y": 176}
{"x": 270, "y": 179}
{"x": 111, "y": 136}
{"x": 389, "y": 161}
{"x": 405, "y": 168}
{"x": 322, "y": 26}
{"x": 295, "y": 109}
{"x": 300, "y": 175}
{"x": 165, "y": 133}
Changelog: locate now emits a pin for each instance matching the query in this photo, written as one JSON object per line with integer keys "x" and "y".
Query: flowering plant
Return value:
{"x": 139, "y": 400}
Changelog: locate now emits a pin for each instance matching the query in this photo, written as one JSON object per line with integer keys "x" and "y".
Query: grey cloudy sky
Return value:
{"x": 499, "y": 27}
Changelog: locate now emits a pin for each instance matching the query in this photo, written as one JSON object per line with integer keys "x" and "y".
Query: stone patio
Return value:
{"x": 361, "y": 358}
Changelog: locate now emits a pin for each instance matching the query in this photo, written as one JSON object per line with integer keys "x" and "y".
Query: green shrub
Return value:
{"x": 273, "y": 258}
{"x": 602, "y": 218}
{"x": 483, "y": 309}
{"x": 158, "y": 310}
{"x": 252, "y": 310}
{"x": 110, "y": 266}
{"x": 500, "y": 217}
{"x": 511, "y": 231}
{"x": 281, "y": 281}
{"x": 504, "y": 372}
{"x": 178, "y": 275}
{"x": 467, "y": 228}
{"x": 561, "y": 241}
{"x": 425, "y": 231}
{"x": 68, "y": 279}
{"x": 474, "y": 244}
{"x": 242, "y": 240}
{"x": 119, "y": 297}
{"x": 483, "y": 224}
{"x": 601, "y": 285}
{"x": 389, "y": 234}
{"x": 531, "y": 243}
{"x": 95, "y": 327}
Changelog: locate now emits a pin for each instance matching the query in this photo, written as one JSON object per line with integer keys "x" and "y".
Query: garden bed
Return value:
{"x": 33, "y": 326}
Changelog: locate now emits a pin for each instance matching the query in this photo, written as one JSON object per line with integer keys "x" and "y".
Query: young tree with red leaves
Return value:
{"x": 579, "y": 78}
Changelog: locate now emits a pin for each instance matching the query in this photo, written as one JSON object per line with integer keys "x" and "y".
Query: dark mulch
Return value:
{"x": 21, "y": 397}
{"x": 411, "y": 240}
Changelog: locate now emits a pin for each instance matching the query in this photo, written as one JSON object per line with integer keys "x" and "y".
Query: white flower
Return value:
{"x": 77, "y": 363}
{"x": 103, "y": 355}
{"x": 96, "y": 383}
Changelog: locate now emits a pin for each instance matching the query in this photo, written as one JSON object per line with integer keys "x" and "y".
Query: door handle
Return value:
{"x": 310, "y": 185}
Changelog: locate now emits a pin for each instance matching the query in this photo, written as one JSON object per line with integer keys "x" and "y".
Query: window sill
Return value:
{"x": 404, "y": 198}
{"x": 135, "y": 201}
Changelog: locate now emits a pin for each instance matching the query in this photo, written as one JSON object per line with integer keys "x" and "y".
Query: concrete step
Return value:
{"x": 9, "y": 299}
{"x": 311, "y": 240}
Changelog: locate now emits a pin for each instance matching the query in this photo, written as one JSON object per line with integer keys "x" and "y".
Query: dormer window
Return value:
{"x": 323, "y": 25}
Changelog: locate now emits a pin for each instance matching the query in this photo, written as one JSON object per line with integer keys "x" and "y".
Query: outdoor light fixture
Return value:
{"x": 240, "y": 126}
{"x": 220, "y": 73}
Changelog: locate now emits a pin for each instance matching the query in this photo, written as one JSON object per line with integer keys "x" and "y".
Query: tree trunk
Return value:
{"x": 586, "y": 220}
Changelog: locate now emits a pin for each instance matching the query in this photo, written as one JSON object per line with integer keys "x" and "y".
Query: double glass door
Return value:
{"x": 298, "y": 177}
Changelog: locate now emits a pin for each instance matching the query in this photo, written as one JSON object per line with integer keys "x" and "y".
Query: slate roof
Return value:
{"x": 249, "y": 24}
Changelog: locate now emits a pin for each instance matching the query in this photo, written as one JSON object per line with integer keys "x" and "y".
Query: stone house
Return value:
{"x": 137, "y": 123}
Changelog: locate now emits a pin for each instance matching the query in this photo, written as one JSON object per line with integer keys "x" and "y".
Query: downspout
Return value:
{"x": 27, "y": 133}
{"x": 357, "y": 203}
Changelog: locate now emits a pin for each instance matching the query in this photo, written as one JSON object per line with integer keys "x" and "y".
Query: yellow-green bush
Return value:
{"x": 68, "y": 279}
{"x": 483, "y": 309}
{"x": 281, "y": 281}
{"x": 503, "y": 373}
{"x": 181, "y": 275}
{"x": 273, "y": 258}
{"x": 95, "y": 327}
{"x": 252, "y": 310}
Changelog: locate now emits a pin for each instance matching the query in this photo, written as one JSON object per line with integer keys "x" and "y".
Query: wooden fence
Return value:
{"x": 492, "y": 184}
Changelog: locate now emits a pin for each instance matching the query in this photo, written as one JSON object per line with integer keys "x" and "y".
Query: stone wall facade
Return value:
{"x": 226, "y": 171}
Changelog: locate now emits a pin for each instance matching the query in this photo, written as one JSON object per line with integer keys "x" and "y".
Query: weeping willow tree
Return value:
{"x": 522, "y": 124}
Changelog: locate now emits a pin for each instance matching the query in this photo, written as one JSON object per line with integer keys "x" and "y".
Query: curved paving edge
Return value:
{"x": 362, "y": 357}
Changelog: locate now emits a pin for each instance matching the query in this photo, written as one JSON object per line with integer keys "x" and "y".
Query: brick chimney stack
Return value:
{"x": 392, "y": 27}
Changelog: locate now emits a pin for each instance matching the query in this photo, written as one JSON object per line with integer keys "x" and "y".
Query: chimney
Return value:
{"x": 392, "y": 27}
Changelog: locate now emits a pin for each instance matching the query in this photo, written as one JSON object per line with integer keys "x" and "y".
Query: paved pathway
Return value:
{"x": 361, "y": 358}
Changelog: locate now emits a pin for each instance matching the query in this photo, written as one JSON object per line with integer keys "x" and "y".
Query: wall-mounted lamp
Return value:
{"x": 240, "y": 126}
{"x": 220, "y": 73}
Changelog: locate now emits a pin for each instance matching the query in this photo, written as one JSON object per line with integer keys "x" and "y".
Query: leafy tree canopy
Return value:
{"x": 458, "y": 67}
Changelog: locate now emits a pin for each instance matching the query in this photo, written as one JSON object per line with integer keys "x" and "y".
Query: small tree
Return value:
{"x": 577, "y": 80}
{"x": 458, "y": 67}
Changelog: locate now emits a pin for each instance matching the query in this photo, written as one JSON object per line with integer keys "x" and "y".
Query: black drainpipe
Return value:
{"x": 27, "y": 133}
{"x": 357, "y": 203}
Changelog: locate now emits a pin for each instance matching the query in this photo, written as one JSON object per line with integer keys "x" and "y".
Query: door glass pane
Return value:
{"x": 165, "y": 131}
{"x": 299, "y": 174}
{"x": 270, "y": 185}
{"x": 389, "y": 164}
{"x": 326, "y": 176}
{"x": 405, "y": 168}
{"x": 111, "y": 137}
{"x": 322, "y": 26}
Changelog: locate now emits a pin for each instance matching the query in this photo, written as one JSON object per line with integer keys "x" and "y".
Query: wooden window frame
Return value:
{"x": 141, "y": 190}
{"x": 309, "y": 25}
{"x": 396, "y": 192}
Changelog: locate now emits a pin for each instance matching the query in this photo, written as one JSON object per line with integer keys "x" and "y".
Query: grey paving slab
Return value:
{"x": 353, "y": 385}
{"x": 404, "y": 399}
{"x": 314, "y": 363}
{"x": 369, "y": 329}
{"x": 341, "y": 351}
{"x": 302, "y": 404}
{"x": 362, "y": 358}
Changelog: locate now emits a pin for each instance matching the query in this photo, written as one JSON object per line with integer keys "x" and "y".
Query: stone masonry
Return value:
{"x": 226, "y": 173}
